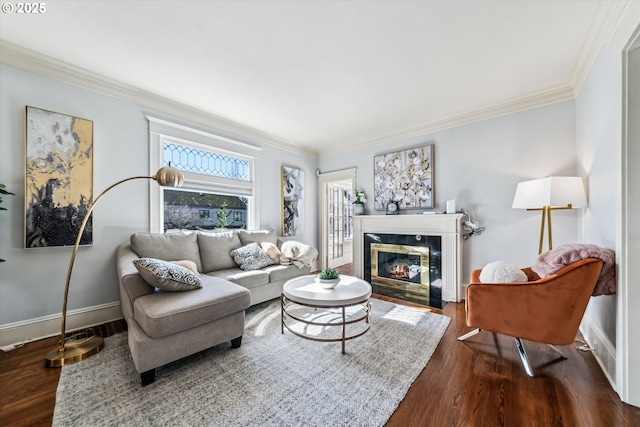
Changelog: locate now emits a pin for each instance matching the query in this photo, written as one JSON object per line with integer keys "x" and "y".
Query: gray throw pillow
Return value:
{"x": 251, "y": 257}
{"x": 167, "y": 276}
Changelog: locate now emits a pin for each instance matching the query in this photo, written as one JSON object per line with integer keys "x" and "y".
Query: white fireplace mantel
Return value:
{"x": 448, "y": 226}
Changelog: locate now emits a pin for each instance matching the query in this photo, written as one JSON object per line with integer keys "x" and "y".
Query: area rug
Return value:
{"x": 273, "y": 379}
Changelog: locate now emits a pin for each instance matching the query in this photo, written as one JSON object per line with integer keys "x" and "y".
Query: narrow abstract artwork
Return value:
{"x": 405, "y": 177}
{"x": 59, "y": 178}
{"x": 292, "y": 201}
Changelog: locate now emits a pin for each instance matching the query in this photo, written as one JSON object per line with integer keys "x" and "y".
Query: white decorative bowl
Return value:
{"x": 328, "y": 283}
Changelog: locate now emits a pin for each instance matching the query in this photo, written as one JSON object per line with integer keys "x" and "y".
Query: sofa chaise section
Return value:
{"x": 167, "y": 326}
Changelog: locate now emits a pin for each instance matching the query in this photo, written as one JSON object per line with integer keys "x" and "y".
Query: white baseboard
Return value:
{"x": 603, "y": 350}
{"x": 18, "y": 333}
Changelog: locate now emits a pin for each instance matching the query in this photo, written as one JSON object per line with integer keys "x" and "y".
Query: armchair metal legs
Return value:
{"x": 469, "y": 334}
{"x": 525, "y": 360}
{"x": 521, "y": 351}
{"x": 557, "y": 350}
{"x": 523, "y": 356}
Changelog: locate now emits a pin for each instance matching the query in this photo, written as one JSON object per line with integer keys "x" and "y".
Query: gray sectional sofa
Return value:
{"x": 166, "y": 326}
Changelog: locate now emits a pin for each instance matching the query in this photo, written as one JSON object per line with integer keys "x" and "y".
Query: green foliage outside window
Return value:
{"x": 224, "y": 217}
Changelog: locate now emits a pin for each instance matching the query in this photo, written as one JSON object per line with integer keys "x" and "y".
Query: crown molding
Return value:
{"x": 37, "y": 63}
{"x": 528, "y": 102}
{"x": 606, "y": 20}
{"x": 605, "y": 23}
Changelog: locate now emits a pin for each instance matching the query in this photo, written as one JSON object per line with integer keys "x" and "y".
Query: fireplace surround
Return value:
{"x": 428, "y": 247}
{"x": 407, "y": 267}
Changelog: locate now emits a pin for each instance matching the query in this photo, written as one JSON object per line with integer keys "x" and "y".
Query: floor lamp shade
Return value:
{"x": 547, "y": 194}
{"x": 550, "y": 191}
{"x": 75, "y": 350}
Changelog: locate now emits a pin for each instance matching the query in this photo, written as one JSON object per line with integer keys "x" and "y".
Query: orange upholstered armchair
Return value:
{"x": 545, "y": 310}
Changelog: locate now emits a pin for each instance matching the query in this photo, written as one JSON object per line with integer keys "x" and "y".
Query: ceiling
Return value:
{"x": 328, "y": 75}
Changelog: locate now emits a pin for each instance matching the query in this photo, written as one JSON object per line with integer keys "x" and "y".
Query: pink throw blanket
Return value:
{"x": 551, "y": 262}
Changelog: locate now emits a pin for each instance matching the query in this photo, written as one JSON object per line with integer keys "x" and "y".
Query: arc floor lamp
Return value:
{"x": 547, "y": 194}
{"x": 70, "y": 351}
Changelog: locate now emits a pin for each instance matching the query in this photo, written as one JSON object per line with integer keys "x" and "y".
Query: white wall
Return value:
{"x": 607, "y": 123}
{"x": 628, "y": 352}
{"x": 32, "y": 280}
{"x": 596, "y": 130}
{"x": 480, "y": 165}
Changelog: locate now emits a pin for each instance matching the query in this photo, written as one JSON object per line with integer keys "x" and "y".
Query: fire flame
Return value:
{"x": 400, "y": 271}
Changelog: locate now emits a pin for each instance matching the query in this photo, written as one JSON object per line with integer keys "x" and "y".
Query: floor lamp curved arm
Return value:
{"x": 80, "y": 349}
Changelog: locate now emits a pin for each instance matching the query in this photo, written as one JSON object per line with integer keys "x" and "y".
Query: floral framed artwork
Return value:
{"x": 58, "y": 178}
{"x": 292, "y": 201}
{"x": 404, "y": 177}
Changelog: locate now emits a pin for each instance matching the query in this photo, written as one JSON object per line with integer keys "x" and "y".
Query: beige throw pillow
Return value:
{"x": 189, "y": 265}
{"x": 271, "y": 250}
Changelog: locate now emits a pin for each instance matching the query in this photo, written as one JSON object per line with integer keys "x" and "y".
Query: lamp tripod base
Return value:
{"x": 74, "y": 351}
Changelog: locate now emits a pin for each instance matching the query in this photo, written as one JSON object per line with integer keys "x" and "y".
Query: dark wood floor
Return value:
{"x": 27, "y": 387}
{"x": 479, "y": 382}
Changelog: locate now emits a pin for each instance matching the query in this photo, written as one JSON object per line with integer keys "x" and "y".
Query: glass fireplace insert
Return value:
{"x": 407, "y": 267}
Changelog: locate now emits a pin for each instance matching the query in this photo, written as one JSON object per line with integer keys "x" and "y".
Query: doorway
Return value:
{"x": 336, "y": 217}
{"x": 627, "y": 338}
{"x": 340, "y": 221}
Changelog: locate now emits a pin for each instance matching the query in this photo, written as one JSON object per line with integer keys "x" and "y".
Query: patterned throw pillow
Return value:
{"x": 167, "y": 276}
{"x": 251, "y": 257}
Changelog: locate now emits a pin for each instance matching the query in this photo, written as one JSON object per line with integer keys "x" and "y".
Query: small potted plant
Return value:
{"x": 328, "y": 278}
{"x": 358, "y": 203}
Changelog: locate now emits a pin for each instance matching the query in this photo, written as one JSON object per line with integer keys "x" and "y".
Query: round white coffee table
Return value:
{"x": 350, "y": 293}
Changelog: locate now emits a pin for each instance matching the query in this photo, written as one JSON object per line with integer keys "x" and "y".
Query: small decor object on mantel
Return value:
{"x": 392, "y": 208}
{"x": 358, "y": 203}
{"x": 328, "y": 278}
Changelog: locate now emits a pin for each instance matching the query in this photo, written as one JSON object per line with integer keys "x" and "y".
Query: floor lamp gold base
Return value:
{"x": 74, "y": 351}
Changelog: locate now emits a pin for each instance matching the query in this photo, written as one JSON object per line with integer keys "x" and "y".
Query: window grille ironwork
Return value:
{"x": 190, "y": 159}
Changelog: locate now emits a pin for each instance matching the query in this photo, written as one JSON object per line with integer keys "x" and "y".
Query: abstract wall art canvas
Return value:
{"x": 405, "y": 177}
{"x": 58, "y": 178}
{"x": 292, "y": 201}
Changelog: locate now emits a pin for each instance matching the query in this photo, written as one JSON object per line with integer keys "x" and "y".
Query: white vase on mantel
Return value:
{"x": 358, "y": 209}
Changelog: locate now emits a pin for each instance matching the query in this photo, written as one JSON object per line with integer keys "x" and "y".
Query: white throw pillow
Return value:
{"x": 502, "y": 272}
